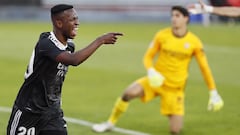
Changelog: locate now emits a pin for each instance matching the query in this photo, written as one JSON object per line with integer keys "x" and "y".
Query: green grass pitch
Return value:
{"x": 91, "y": 89}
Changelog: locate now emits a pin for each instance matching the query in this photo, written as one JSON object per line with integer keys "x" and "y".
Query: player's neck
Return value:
{"x": 179, "y": 31}
{"x": 60, "y": 37}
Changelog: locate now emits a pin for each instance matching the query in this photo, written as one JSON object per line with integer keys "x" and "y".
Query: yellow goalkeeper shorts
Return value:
{"x": 171, "y": 99}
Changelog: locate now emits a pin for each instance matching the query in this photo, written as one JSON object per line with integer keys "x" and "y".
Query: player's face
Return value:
{"x": 70, "y": 24}
{"x": 178, "y": 19}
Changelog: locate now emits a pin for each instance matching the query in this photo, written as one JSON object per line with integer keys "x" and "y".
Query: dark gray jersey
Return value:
{"x": 44, "y": 76}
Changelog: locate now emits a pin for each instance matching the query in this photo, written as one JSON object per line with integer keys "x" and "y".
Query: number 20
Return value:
{"x": 24, "y": 131}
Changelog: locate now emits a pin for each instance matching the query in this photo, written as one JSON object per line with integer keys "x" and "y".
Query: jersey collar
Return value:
{"x": 56, "y": 42}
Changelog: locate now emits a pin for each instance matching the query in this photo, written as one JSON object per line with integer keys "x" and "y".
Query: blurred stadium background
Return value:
{"x": 108, "y": 10}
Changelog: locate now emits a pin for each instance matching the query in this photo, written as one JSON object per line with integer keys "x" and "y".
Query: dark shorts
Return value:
{"x": 27, "y": 123}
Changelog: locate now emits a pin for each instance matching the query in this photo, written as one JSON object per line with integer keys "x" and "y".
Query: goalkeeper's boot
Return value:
{"x": 102, "y": 127}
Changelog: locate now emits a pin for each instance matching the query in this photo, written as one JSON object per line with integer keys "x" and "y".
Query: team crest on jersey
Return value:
{"x": 186, "y": 45}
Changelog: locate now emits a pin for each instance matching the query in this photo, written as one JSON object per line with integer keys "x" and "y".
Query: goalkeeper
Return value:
{"x": 173, "y": 49}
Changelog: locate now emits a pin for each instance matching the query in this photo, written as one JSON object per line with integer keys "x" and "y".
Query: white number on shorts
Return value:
{"x": 25, "y": 131}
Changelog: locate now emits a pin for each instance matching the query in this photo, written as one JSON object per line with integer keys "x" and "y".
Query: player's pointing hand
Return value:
{"x": 109, "y": 38}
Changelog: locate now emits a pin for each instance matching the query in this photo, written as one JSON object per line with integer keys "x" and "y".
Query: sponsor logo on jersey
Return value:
{"x": 62, "y": 69}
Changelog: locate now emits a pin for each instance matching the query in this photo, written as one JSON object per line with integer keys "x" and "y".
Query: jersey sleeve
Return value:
{"x": 152, "y": 51}
{"x": 204, "y": 66}
{"x": 47, "y": 48}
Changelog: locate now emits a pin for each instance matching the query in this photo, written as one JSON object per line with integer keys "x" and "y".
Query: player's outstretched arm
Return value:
{"x": 227, "y": 11}
{"x": 80, "y": 56}
{"x": 201, "y": 7}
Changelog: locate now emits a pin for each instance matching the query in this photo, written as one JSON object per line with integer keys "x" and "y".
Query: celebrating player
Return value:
{"x": 37, "y": 108}
{"x": 201, "y": 7}
{"x": 166, "y": 77}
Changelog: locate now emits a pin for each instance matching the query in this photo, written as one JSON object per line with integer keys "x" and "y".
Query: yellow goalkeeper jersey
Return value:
{"x": 171, "y": 56}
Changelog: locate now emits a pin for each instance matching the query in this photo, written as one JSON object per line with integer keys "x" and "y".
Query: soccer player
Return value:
{"x": 173, "y": 49}
{"x": 37, "y": 108}
{"x": 223, "y": 11}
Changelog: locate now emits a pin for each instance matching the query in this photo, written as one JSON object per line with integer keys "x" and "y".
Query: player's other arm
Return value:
{"x": 155, "y": 78}
{"x": 148, "y": 59}
{"x": 80, "y": 56}
{"x": 205, "y": 69}
{"x": 215, "y": 102}
{"x": 223, "y": 11}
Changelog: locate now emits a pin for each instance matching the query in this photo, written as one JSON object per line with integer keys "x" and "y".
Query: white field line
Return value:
{"x": 86, "y": 123}
{"x": 5, "y": 109}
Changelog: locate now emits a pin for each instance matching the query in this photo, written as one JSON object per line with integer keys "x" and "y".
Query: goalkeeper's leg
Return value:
{"x": 176, "y": 124}
{"x": 121, "y": 105}
{"x": 119, "y": 108}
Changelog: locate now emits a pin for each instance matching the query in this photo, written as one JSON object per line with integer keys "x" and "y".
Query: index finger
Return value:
{"x": 117, "y": 34}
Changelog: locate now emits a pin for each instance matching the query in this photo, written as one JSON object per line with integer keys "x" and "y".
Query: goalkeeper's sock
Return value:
{"x": 119, "y": 108}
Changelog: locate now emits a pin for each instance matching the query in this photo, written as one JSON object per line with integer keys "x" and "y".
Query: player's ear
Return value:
{"x": 59, "y": 23}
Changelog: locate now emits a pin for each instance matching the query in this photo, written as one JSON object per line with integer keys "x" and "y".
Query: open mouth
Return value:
{"x": 74, "y": 31}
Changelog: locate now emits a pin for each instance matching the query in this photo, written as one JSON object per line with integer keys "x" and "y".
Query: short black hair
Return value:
{"x": 60, "y": 8}
{"x": 181, "y": 9}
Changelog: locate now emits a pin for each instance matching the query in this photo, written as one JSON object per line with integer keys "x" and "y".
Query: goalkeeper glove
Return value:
{"x": 215, "y": 102}
{"x": 200, "y": 8}
{"x": 155, "y": 78}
